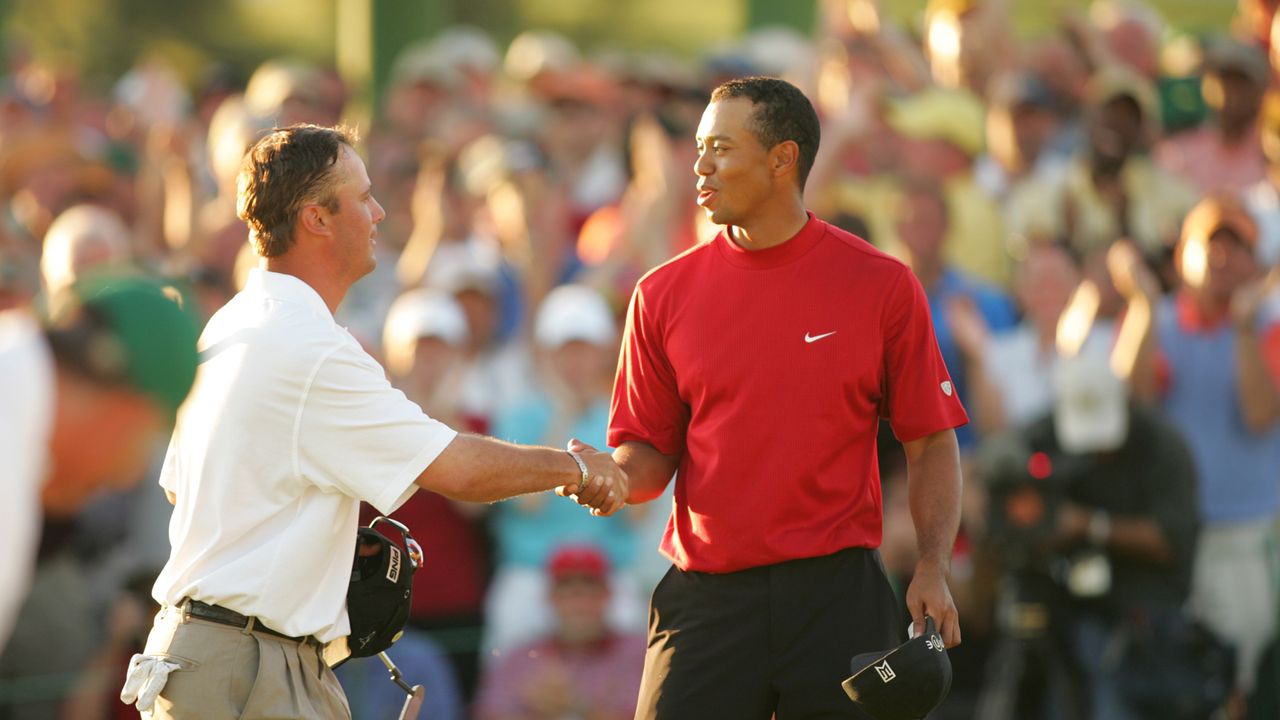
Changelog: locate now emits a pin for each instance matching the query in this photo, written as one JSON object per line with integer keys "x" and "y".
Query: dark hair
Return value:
{"x": 286, "y": 169}
{"x": 781, "y": 112}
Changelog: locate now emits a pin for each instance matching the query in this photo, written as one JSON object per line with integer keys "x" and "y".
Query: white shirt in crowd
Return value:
{"x": 289, "y": 425}
{"x": 26, "y": 420}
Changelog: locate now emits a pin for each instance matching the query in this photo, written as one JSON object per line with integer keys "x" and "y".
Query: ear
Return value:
{"x": 784, "y": 158}
{"x": 314, "y": 219}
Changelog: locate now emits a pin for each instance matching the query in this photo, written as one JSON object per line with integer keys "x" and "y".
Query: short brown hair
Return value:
{"x": 286, "y": 169}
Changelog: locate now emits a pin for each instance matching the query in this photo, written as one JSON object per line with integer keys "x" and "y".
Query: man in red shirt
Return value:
{"x": 758, "y": 365}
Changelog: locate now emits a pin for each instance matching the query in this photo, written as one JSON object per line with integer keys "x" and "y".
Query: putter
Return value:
{"x": 417, "y": 694}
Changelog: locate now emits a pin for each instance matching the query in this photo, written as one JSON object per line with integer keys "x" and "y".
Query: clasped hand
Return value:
{"x": 605, "y": 492}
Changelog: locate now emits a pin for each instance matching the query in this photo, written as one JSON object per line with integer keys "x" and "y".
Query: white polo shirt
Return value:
{"x": 289, "y": 425}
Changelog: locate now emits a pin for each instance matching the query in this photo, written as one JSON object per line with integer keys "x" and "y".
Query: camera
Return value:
{"x": 1026, "y": 489}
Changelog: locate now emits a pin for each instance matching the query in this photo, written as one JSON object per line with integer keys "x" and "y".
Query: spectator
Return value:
{"x": 1263, "y": 198}
{"x": 1111, "y": 189}
{"x": 577, "y": 344}
{"x": 1008, "y": 373}
{"x": 1120, "y": 486}
{"x": 1216, "y": 377}
{"x": 582, "y": 668}
{"x": 423, "y": 342}
{"x": 941, "y": 135}
{"x": 85, "y": 400}
{"x": 1024, "y": 132}
{"x": 495, "y": 368}
{"x": 1226, "y": 153}
{"x": 84, "y": 240}
{"x": 966, "y": 41}
{"x": 923, "y": 218}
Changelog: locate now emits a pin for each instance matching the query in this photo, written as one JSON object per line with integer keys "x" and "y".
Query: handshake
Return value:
{"x": 604, "y": 487}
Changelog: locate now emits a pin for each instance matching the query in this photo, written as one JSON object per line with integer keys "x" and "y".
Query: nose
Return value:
{"x": 379, "y": 214}
{"x": 703, "y": 166}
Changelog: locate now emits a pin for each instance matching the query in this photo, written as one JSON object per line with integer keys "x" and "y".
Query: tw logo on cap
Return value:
{"x": 886, "y": 673}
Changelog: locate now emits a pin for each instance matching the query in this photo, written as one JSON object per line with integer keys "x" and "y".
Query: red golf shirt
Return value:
{"x": 768, "y": 371}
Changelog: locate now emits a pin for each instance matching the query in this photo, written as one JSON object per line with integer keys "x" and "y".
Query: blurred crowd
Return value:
{"x": 1094, "y": 213}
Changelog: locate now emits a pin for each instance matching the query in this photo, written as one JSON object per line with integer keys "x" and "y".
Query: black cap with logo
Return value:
{"x": 905, "y": 683}
{"x": 381, "y": 589}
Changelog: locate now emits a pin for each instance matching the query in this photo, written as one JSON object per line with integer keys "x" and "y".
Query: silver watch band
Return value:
{"x": 582, "y": 465}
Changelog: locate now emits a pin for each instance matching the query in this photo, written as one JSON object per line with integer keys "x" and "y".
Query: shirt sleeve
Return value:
{"x": 646, "y": 403}
{"x": 1271, "y": 351}
{"x": 359, "y": 436}
{"x": 919, "y": 396}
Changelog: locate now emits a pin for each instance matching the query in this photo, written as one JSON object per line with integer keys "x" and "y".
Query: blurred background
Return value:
{"x": 1089, "y": 192}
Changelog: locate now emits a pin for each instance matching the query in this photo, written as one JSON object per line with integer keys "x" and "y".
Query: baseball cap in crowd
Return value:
{"x": 1224, "y": 53}
{"x": 425, "y": 313}
{"x": 1025, "y": 89}
{"x": 128, "y": 331}
{"x": 577, "y": 561}
{"x": 956, "y": 116}
{"x": 423, "y": 63}
{"x": 1091, "y": 404}
{"x": 466, "y": 47}
{"x": 460, "y": 266}
{"x": 1115, "y": 80}
{"x": 1216, "y": 211}
{"x": 573, "y": 312}
{"x": 905, "y": 683}
{"x": 534, "y": 52}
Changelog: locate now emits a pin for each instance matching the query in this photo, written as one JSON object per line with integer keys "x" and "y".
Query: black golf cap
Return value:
{"x": 905, "y": 683}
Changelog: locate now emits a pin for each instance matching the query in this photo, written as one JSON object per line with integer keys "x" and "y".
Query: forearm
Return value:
{"x": 984, "y": 397}
{"x": 648, "y": 470}
{"x": 1141, "y": 539}
{"x": 934, "y": 487}
{"x": 480, "y": 469}
{"x": 1133, "y": 358}
{"x": 1258, "y": 397}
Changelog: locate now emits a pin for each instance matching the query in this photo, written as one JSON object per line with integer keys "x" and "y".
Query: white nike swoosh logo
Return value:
{"x": 815, "y": 338}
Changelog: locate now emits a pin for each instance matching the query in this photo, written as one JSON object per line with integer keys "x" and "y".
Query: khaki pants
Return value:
{"x": 228, "y": 672}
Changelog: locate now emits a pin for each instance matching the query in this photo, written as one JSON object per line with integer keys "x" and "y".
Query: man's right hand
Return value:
{"x": 607, "y": 487}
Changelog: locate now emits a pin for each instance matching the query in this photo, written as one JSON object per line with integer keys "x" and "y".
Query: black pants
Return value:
{"x": 772, "y": 639}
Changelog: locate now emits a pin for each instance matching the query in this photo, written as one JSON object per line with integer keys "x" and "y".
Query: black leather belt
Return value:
{"x": 223, "y": 616}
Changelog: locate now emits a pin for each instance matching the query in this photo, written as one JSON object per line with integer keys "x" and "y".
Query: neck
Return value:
{"x": 1234, "y": 132}
{"x": 1105, "y": 169}
{"x": 1210, "y": 306}
{"x": 328, "y": 285}
{"x": 770, "y": 230}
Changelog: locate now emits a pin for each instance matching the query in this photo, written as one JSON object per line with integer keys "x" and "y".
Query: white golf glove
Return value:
{"x": 147, "y": 677}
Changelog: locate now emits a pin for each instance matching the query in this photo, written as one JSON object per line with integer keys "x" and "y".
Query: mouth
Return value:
{"x": 705, "y": 196}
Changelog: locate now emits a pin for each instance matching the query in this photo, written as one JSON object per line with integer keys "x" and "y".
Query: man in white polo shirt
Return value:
{"x": 289, "y": 426}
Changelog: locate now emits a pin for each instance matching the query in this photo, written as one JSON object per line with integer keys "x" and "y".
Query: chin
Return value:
{"x": 720, "y": 217}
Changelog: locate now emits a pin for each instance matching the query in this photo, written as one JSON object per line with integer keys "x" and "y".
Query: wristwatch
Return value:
{"x": 1099, "y": 529}
{"x": 582, "y": 465}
